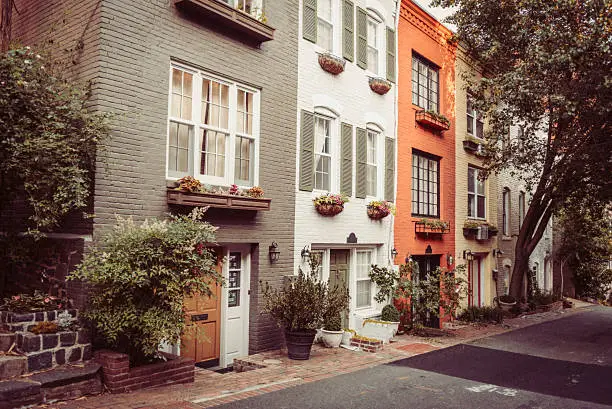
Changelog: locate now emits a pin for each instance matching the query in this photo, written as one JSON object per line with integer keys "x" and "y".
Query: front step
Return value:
{"x": 12, "y": 365}
{"x": 17, "y": 393}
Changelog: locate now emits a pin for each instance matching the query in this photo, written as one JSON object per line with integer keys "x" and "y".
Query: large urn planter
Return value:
{"x": 328, "y": 209}
{"x": 331, "y": 63}
{"x": 332, "y": 339}
{"x": 379, "y": 85}
{"x": 299, "y": 343}
{"x": 506, "y": 302}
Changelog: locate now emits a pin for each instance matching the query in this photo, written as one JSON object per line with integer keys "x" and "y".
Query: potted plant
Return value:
{"x": 433, "y": 119}
{"x": 379, "y": 85}
{"x": 331, "y": 63}
{"x": 332, "y": 332}
{"x": 329, "y": 204}
{"x": 378, "y": 209}
{"x": 506, "y": 302}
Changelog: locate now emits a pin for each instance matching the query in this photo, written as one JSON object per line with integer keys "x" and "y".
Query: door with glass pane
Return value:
{"x": 338, "y": 274}
{"x": 236, "y": 324}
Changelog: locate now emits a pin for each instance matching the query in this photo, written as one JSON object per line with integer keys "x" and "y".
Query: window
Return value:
{"x": 372, "y": 163}
{"x": 521, "y": 208}
{"x": 476, "y": 195}
{"x": 317, "y": 259}
{"x": 323, "y": 159}
{"x": 212, "y": 131}
{"x": 424, "y": 84}
{"x": 373, "y": 44}
{"x": 325, "y": 27}
{"x": 364, "y": 284}
{"x": 234, "y": 279}
{"x": 475, "y": 125}
{"x": 425, "y": 185}
{"x": 506, "y": 212}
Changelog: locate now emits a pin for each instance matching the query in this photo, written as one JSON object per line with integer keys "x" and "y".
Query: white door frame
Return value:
{"x": 245, "y": 286}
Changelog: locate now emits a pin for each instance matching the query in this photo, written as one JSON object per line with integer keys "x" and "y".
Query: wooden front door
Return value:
{"x": 339, "y": 274}
{"x": 427, "y": 270}
{"x": 201, "y": 340}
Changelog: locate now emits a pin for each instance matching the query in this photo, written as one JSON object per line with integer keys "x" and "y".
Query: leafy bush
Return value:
{"x": 482, "y": 314}
{"x": 544, "y": 298}
{"x": 390, "y": 313}
{"x": 34, "y": 302}
{"x": 333, "y": 323}
{"x": 386, "y": 280}
{"x": 48, "y": 139}
{"x": 141, "y": 274}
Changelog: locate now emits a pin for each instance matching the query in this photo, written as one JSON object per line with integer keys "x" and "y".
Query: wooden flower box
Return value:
{"x": 183, "y": 198}
{"x": 421, "y": 228}
{"x": 428, "y": 120}
{"x": 470, "y": 145}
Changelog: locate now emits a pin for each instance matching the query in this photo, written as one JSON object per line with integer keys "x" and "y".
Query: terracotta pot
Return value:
{"x": 329, "y": 209}
{"x": 376, "y": 213}
{"x": 332, "y": 64}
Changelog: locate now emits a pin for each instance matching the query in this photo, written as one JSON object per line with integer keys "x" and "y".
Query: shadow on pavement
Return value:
{"x": 564, "y": 379}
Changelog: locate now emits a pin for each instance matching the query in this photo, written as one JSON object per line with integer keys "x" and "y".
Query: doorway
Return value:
{"x": 428, "y": 266}
{"x": 339, "y": 275}
{"x": 475, "y": 282}
{"x": 236, "y": 296}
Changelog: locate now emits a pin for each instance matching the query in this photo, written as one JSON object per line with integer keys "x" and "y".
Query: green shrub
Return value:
{"x": 482, "y": 314}
{"x": 333, "y": 323}
{"x": 34, "y": 302}
{"x": 390, "y": 313}
{"x": 141, "y": 274}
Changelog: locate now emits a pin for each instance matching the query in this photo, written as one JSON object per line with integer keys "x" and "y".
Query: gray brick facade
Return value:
{"x": 125, "y": 50}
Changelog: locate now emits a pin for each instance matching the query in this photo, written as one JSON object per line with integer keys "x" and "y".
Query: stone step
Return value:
{"x": 17, "y": 393}
{"x": 11, "y": 366}
{"x": 6, "y": 341}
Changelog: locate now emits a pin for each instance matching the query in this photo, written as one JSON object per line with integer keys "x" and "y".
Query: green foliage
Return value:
{"x": 48, "y": 139}
{"x": 390, "y": 313}
{"x": 34, "y": 302}
{"x": 386, "y": 280}
{"x": 306, "y": 302}
{"x": 544, "y": 298}
{"x": 140, "y": 275}
{"x": 333, "y": 323}
{"x": 482, "y": 314}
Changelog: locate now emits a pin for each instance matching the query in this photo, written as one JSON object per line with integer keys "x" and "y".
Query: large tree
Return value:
{"x": 547, "y": 68}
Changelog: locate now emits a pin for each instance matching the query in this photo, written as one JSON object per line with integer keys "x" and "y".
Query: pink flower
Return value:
{"x": 47, "y": 300}
{"x": 59, "y": 306}
{"x": 16, "y": 298}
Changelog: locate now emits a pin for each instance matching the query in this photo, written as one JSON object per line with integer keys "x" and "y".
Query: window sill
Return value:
{"x": 183, "y": 198}
{"x": 228, "y": 16}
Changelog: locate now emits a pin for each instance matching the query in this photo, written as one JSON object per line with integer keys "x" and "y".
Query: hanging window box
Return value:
{"x": 329, "y": 204}
{"x": 379, "y": 85}
{"x": 470, "y": 145}
{"x": 250, "y": 23}
{"x": 378, "y": 209}
{"x": 219, "y": 200}
{"x": 426, "y": 227}
{"x": 479, "y": 231}
{"x": 331, "y": 63}
{"x": 432, "y": 120}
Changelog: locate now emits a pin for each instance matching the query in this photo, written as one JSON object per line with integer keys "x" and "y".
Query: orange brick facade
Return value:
{"x": 421, "y": 34}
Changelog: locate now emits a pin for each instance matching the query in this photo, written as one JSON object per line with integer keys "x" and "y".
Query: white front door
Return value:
{"x": 236, "y": 299}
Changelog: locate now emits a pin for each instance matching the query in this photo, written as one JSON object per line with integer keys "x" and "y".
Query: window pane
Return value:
{"x": 324, "y": 9}
{"x": 187, "y": 84}
{"x": 373, "y": 59}
{"x": 177, "y": 81}
{"x": 471, "y": 205}
{"x": 325, "y": 35}
{"x": 244, "y": 161}
{"x": 213, "y": 153}
{"x": 363, "y": 293}
{"x": 481, "y": 207}
{"x": 471, "y": 177}
{"x": 470, "y": 125}
{"x": 371, "y": 181}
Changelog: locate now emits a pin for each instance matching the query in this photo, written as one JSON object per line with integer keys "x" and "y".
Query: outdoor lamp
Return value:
{"x": 468, "y": 255}
{"x": 449, "y": 259}
{"x": 305, "y": 254}
{"x": 394, "y": 253}
{"x": 274, "y": 252}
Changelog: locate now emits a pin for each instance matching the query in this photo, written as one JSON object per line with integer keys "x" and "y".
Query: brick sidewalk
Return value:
{"x": 212, "y": 389}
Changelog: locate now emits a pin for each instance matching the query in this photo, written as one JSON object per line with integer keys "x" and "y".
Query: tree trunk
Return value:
{"x": 6, "y": 13}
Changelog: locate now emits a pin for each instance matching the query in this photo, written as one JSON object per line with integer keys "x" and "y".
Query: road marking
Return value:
{"x": 492, "y": 389}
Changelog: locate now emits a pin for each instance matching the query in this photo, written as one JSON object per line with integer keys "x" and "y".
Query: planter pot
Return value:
{"x": 299, "y": 343}
{"x": 332, "y": 64}
{"x": 377, "y": 214}
{"x": 383, "y": 330}
{"x": 332, "y": 339}
{"x": 346, "y": 337}
{"x": 379, "y": 85}
{"x": 429, "y": 120}
{"x": 329, "y": 209}
{"x": 506, "y": 306}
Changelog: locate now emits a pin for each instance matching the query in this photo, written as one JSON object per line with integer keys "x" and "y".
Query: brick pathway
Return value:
{"x": 212, "y": 389}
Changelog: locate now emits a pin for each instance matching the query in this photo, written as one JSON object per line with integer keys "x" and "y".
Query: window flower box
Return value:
{"x": 330, "y": 204}
{"x": 379, "y": 85}
{"x": 432, "y": 120}
{"x": 479, "y": 230}
{"x": 224, "y": 15}
{"x": 219, "y": 200}
{"x": 378, "y": 210}
{"x": 426, "y": 227}
{"x": 331, "y": 63}
{"x": 470, "y": 145}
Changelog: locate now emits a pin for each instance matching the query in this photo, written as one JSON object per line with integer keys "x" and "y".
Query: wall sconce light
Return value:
{"x": 394, "y": 253}
{"x": 305, "y": 254}
{"x": 274, "y": 252}
{"x": 449, "y": 259}
{"x": 497, "y": 252}
{"x": 408, "y": 258}
{"x": 468, "y": 255}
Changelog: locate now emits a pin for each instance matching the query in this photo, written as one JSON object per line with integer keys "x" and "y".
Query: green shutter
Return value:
{"x": 346, "y": 166}
{"x": 390, "y": 169}
{"x": 362, "y": 157}
{"x": 307, "y": 151}
{"x": 390, "y": 54}
{"x": 309, "y": 20}
{"x": 348, "y": 30}
{"x": 362, "y": 38}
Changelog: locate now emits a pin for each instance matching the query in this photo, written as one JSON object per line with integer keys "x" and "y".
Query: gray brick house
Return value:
{"x": 202, "y": 89}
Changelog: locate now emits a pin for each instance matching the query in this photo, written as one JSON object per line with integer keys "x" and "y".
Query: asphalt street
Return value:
{"x": 560, "y": 364}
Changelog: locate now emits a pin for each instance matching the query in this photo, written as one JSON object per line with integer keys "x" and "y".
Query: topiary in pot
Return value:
{"x": 332, "y": 331}
{"x": 390, "y": 313}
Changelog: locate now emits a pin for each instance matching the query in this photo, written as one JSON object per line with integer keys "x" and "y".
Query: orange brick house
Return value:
{"x": 426, "y": 145}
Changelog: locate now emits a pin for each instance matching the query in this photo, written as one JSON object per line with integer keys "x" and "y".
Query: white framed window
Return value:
{"x": 325, "y": 25}
{"x": 476, "y": 195}
{"x": 475, "y": 124}
{"x": 373, "y": 41}
{"x": 251, "y": 7}
{"x": 372, "y": 159}
{"x": 506, "y": 212}
{"x": 521, "y": 208}
{"x": 323, "y": 152}
{"x": 213, "y": 129}
{"x": 363, "y": 298}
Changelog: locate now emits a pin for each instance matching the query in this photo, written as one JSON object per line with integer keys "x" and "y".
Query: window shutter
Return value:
{"x": 362, "y": 157}
{"x": 348, "y": 30}
{"x": 307, "y": 151}
{"x": 390, "y": 169}
{"x": 390, "y": 54}
{"x": 309, "y": 20}
{"x": 346, "y": 167}
{"x": 362, "y": 38}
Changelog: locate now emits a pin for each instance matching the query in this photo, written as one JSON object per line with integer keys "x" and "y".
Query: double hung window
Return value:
{"x": 476, "y": 195}
{"x": 213, "y": 129}
{"x": 425, "y": 185}
{"x": 424, "y": 84}
{"x": 506, "y": 212}
{"x": 372, "y": 163}
{"x": 323, "y": 157}
{"x": 475, "y": 125}
{"x": 325, "y": 26}
{"x": 364, "y": 284}
{"x": 373, "y": 44}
